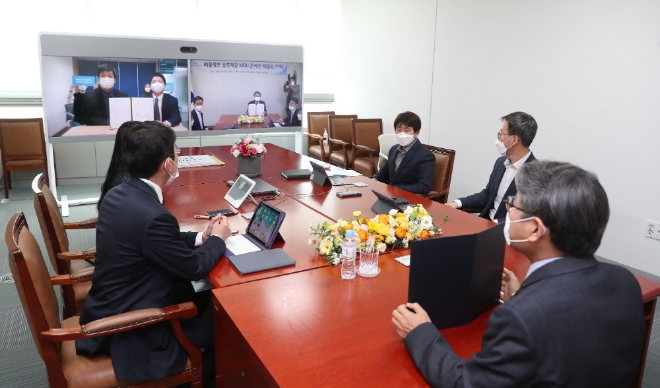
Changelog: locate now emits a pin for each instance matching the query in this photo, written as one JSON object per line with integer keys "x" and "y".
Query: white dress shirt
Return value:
{"x": 507, "y": 178}
{"x": 540, "y": 264}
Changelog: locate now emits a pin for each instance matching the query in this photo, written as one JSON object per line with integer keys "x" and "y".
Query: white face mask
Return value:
{"x": 198, "y": 108}
{"x": 157, "y": 87}
{"x": 300, "y": 117}
{"x": 172, "y": 177}
{"x": 501, "y": 148}
{"x": 82, "y": 89}
{"x": 404, "y": 139}
{"x": 147, "y": 90}
{"x": 293, "y": 83}
{"x": 292, "y": 108}
{"x": 507, "y": 225}
{"x": 107, "y": 82}
{"x": 257, "y": 99}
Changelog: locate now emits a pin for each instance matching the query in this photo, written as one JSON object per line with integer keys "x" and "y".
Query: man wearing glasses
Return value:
{"x": 513, "y": 141}
{"x": 574, "y": 322}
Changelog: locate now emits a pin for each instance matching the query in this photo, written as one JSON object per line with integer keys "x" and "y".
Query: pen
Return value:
{"x": 199, "y": 216}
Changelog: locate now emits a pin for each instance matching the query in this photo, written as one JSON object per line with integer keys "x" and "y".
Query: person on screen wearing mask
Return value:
{"x": 573, "y": 322}
{"x": 97, "y": 101}
{"x": 147, "y": 89}
{"x": 253, "y": 106}
{"x": 410, "y": 165}
{"x": 149, "y": 263}
{"x": 197, "y": 116}
{"x": 79, "y": 109}
{"x": 292, "y": 89}
{"x": 166, "y": 107}
{"x": 293, "y": 114}
{"x": 513, "y": 141}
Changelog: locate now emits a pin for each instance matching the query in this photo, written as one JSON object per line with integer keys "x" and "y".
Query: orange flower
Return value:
{"x": 348, "y": 226}
{"x": 425, "y": 234}
{"x": 384, "y": 219}
{"x": 362, "y": 234}
{"x": 400, "y": 232}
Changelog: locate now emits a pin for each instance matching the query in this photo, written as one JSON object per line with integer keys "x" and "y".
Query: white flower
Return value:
{"x": 311, "y": 241}
{"x": 236, "y": 153}
{"x": 426, "y": 222}
{"x": 381, "y": 247}
{"x": 405, "y": 243}
{"x": 335, "y": 259}
{"x": 393, "y": 212}
{"x": 408, "y": 210}
{"x": 432, "y": 233}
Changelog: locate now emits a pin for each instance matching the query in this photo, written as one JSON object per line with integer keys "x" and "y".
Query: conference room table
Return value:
{"x": 229, "y": 121}
{"x": 304, "y": 325}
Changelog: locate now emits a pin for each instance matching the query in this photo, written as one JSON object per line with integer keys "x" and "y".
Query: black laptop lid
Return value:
{"x": 384, "y": 204}
{"x": 319, "y": 176}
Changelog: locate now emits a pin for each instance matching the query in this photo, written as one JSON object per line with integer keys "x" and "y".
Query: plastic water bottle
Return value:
{"x": 348, "y": 253}
{"x": 325, "y": 137}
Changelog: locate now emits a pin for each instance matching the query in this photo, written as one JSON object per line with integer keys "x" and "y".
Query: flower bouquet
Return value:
{"x": 245, "y": 119}
{"x": 391, "y": 230}
{"x": 248, "y": 147}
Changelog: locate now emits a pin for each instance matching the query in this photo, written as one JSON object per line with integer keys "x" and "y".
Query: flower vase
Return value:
{"x": 250, "y": 167}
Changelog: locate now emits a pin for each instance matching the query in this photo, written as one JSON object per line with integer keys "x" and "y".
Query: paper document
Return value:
{"x": 343, "y": 173}
{"x": 199, "y": 161}
{"x": 405, "y": 260}
{"x": 255, "y": 110}
{"x": 120, "y": 111}
{"x": 143, "y": 108}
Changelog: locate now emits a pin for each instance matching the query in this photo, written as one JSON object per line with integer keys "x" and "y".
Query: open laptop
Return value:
{"x": 320, "y": 177}
{"x": 384, "y": 204}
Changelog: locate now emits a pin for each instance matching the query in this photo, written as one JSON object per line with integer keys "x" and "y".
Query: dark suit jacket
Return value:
{"x": 574, "y": 323}
{"x": 291, "y": 120}
{"x": 141, "y": 254}
{"x": 415, "y": 173}
{"x": 170, "y": 109}
{"x": 196, "y": 121}
{"x": 247, "y": 111}
{"x": 486, "y": 198}
{"x": 97, "y": 114}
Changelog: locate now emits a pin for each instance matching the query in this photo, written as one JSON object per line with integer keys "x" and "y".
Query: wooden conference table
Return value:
{"x": 229, "y": 121}
{"x": 310, "y": 327}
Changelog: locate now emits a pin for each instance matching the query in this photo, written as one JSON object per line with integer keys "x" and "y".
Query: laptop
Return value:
{"x": 457, "y": 278}
{"x": 384, "y": 204}
{"x": 320, "y": 177}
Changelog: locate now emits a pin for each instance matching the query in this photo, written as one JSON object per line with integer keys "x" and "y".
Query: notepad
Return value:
{"x": 199, "y": 161}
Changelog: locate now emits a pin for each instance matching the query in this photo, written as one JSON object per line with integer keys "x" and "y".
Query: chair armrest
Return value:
{"x": 82, "y": 276}
{"x": 84, "y": 224}
{"x": 365, "y": 148}
{"x": 339, "y": 142}
{"x": 78, "y": 255}
{"x": 121, "y": 322}
{"x": 315, "y": 136}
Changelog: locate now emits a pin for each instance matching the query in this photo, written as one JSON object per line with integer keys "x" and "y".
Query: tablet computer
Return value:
{"x": 261, "y": 232}
{"x": 239, "y": 191}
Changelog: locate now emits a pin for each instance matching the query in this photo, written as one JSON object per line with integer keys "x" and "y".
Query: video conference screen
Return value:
{"x": 86, "y": 96}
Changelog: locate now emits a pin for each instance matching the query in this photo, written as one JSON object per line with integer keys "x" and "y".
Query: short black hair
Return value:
{"x": 522, "y": 125}
{"x": 106, "y": 67}
{"x": 256, "y": 93}
{"x": 157, "y": 74}
{"x": 294, "y": 99}
{"x": 570, "y": 201}
{"x": 197, "y": 98}
{"x": 145, "y": 148}
{"x": 410, "y": 119}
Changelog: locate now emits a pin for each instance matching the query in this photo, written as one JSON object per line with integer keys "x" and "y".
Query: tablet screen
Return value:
{"x": 239, "y": 190}
{"x": 265, "y": 222}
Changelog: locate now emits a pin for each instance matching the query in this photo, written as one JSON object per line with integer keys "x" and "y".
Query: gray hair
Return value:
{"x": 569, "y": 200}
{"x": 522, "y": 125}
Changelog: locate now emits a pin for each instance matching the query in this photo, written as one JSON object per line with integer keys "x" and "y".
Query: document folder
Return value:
{"x": 458, "y": 278}
{"x": 261, "y": 261}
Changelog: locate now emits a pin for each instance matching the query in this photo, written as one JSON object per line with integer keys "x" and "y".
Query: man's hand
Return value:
{"x": 167, "y": 123}
{"x": 222, "y": 228}
{"x": 209, "y": 228}
{"x": 405, "y": 321}
{"x": 452, "y": 204}
{"x": 510, "y": 284}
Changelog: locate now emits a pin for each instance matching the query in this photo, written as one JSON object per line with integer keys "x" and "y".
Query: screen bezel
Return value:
{"x": 238, "y": 202}
{"x": 276, "y": 230}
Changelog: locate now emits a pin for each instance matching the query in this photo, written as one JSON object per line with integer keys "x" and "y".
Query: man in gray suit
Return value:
{"x": 574, "y": 322}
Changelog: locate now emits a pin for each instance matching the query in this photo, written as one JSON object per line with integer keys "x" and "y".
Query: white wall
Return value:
{"x": 386, "y": 63}
{"x": 588, "y": 71}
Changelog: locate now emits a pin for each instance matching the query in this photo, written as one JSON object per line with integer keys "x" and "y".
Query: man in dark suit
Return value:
{"x": 293, "y": 116}
{"x": 513, "y": 141}
{"x": 97, "y": 101}
{"x": 256, "y": 106}
{"x": 410, "y": 165}
{"x": 144, "y": 261}
{"x": 166, "y": 107}
{"x": 197, "y": 116}
{"x": 574, "y": 322}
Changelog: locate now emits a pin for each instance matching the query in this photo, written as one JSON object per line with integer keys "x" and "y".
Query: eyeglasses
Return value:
{"x": 177, "y": 151}
{"x": 500, "y": 134}
{"x": 508, "y": 203}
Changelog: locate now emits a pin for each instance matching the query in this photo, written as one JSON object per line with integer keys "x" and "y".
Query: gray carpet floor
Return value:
{"x": 20, "y": 364}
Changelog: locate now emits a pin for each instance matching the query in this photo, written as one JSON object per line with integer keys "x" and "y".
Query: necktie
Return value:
{"x": 156, "y": 110}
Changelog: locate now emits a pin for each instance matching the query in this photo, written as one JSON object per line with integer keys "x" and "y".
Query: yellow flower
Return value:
{"x": 311, "y": 241}
{"x": 381, "y": 247}
{"x": 357, "y": 213}
{"x": 356, "y": 225}
{"x": 383, "y": 219}
{"x": 325, "y": 247}
{"x": 388, "y": 240}
{"x": 409, "y": 236}
{"x": 371, "y": 225}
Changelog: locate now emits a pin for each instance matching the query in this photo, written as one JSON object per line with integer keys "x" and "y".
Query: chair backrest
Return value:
{"x": 386, "y": 141}
{"x": 340, "y": 127}
{"x": 22, "y": 139}
{"x": 34, "y": 287}
{"x": 52, "y": 224}
{"x": 317, "y": 122}
{"x": 366, "y": 132}
{"x": 444, "y": 167}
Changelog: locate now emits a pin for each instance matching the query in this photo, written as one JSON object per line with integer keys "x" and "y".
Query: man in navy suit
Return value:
{"x": 513, "y": 141}
{"x": 255, "y": 105}
{"x": 293, "y": 116}
{"x": 574, "y": 322}
{"x": 97, "y": 102}
{"x": 144, "y": 260}
{"x": 410, "y": 165}
{"x": 197, "y": 116}
{"x": 166, "y": 107}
